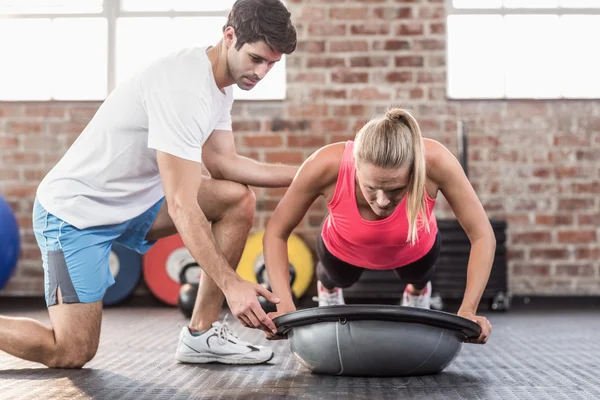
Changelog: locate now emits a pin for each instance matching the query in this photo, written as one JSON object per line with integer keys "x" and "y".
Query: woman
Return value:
{"x": 380, "y": 191}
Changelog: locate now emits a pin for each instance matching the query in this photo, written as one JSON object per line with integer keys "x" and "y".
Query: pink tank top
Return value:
{"x": 371, "y": 244}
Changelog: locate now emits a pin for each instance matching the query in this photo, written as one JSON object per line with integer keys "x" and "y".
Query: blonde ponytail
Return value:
{"x": 395, "y": 141}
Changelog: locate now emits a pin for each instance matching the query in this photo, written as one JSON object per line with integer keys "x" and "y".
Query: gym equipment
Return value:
{"x": 252, "y": 264}
{"x": 375, "y": 340}
{"x": 187, "y": 298}
{"x": 10, "y": 242}
{"x": 126, "y": 267}
{"x": 164, "y": 266}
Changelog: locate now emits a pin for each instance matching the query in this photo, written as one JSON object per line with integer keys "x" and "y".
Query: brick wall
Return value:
{"x": 532, "y": 163}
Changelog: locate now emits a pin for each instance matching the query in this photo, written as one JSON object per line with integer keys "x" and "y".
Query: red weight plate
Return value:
{"x": 162, "y": 266}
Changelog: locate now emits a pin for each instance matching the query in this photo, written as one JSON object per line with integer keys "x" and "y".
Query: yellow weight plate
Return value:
{"x": 298, "y": 253}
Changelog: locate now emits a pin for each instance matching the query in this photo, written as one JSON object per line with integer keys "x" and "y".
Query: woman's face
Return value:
{"x": 382, "y": 188}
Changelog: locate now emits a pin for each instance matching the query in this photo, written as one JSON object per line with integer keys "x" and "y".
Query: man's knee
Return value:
{"x": 72, "y": 356}
{"x": 244, "y": 201}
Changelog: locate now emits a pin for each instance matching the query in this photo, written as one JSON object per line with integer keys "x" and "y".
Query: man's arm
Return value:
{"x": 181, "y": 181}
{"x": 223, "y": 162}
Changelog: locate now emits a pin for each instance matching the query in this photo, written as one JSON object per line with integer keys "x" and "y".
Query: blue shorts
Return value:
{"x": 76, "y": 260}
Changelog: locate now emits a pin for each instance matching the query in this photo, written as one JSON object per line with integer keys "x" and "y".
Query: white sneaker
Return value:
{"x": 219, "y": 345}
{"x": 326, "y": 298}
{"x": 420, "y": 301}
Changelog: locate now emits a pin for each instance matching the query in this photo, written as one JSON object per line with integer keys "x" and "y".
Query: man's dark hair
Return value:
{"x": 263, "y": 20}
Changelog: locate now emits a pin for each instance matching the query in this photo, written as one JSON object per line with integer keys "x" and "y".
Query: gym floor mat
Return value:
{"x": 551, "y": 354}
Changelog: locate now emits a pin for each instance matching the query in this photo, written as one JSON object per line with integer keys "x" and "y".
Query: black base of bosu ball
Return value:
{"x": 375, "y": 340}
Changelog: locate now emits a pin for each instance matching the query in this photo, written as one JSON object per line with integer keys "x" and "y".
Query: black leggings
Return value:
{"x": 333, "y": 272}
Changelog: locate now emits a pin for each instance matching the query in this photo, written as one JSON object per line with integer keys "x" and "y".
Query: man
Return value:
{"x": 134, "y": 175}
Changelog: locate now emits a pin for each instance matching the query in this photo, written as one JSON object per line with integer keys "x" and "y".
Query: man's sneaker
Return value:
{"x": 326, "y": 298}
{"x": 422, "y": 300}
{"x": 219, "y": 345}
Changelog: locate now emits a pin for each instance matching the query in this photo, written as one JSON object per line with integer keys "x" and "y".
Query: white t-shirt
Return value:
{"x": 110, "y": 173}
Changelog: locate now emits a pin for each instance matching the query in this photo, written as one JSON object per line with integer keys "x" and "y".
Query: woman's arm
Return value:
{"x": 445, "y": 170}
{"x": 316, "y": 174}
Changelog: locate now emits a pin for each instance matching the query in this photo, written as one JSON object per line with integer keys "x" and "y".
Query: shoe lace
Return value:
{"x": 223, "y": 331}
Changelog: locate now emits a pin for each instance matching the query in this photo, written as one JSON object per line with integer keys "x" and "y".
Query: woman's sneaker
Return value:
{"x": 422, "y": 300}
{"x": 219, "y": 345}
{"x": 327, "y": 298}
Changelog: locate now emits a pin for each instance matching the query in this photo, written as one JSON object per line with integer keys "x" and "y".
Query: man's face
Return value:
{"x": 248, "y": 65}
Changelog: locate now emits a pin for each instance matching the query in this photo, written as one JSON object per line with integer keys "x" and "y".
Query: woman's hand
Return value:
{"x": 272, "y": 315}
{"x": 486, "y": 326}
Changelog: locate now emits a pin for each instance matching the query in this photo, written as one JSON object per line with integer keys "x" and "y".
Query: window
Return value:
{"x": 515, "y": 49}
{"x": 81, "y": 49}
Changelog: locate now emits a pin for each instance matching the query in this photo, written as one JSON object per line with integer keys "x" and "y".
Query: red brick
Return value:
{"x": 349, "y": 110}
{"x": 592, "y": 253}
{"x": 263, "y": 141}
{"x": 431, "y": 77}
{"x": 589, "y": 187}
{"x": 331, "y": 125}
{"x": 393, "y": 13}
{"x": 435, "y": 61}
{"x": 530, "y": 270}
{"x": 245, "y": 126}
{"x": 518, "y": 219}
{"x": 308, "y": 110}
{"x": 326, "y": 28}
{"x": 574, "y": 270}
{"x": 308, "y": 78}
{"x": 20, "y": 190}
{"x": 82, "y": 112}
{"x": 7, "y": 174}
{"x": 348, "y": 13}
{"x": 369, "y": 61}
{"x": 532, "y": 237}
{"x": 284, "y": 157}
{"x": 46, "y": 110}
{"x": 409, "y": 61}
{"x": 313, "y": 13}
{"x": 572, "y": 172}
{"x": 311, "y": 46}
{"x": 552, "y": 220}
{"x": 571, "y": 140}
{"x": 588, "y": 155}
{"x": 328, "y": 94}
{"x": 348, "y": 46}
{"x": 588, "y": 219}
{"x": 370, "y": 29}
{"x": 391, "y": 45}
{"x": 349, "y": 77}
{"x": 25, "y": 127}
{"x": 576, "y": 236}
{"x": 576, "y": 204}
{"x": 369, "y": 94}
{"x": 67, "y": 127}
{"x": 437, "y": 28}
{"x": 411, "y": 29}
{"x": 20, "y": 158}
{"x": 305, "y": 141}
{"x": 429, "y": 44}
{"x": 432, "y": 12}
{"x": 8, "y": 143}
{"x": 326, "y": 62}
{"x": 10, "y": 110}
{"x": 551, "y": 253}
{"x": 399, "y": 76}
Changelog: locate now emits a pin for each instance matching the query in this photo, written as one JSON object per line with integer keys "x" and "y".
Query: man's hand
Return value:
{"x": 486, "y": 326}
{"x": 272, "y": 315}
{"x": 242, "y": 297}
